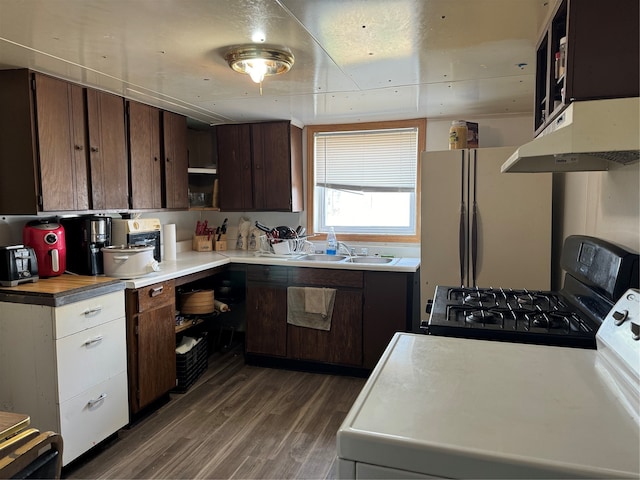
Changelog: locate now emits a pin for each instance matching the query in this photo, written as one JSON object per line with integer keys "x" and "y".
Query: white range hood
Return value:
{"x": 586, "y": 136}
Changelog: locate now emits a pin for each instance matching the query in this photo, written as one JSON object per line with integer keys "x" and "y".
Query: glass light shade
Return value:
{"x": 259, "y": 62}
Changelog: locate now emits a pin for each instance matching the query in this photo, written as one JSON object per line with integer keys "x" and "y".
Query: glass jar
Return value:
{"x": 458, "y": 135}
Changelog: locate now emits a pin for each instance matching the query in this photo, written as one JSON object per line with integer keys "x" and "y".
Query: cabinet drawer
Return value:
{"x": 85, "y": 314}
{"x": 325, "y": 277}
{"x": 93, "y": 415}
{"x": 156, "y": 295}
{"x": 266, "y": 273}
{"x": 90, "y": 357}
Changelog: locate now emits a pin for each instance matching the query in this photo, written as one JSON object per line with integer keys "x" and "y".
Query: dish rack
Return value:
{"x": 291, "y": 246}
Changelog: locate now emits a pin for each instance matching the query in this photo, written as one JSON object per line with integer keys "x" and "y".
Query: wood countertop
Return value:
{"x": 60, "y": 290}
{"x": 12, "y": 423}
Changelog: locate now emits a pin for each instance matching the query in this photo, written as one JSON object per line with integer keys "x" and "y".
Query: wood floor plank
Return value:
{"x": 237, "y": 421}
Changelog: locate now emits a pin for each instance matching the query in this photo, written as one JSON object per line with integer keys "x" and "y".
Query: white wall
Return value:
{"x": 600, "y": 204}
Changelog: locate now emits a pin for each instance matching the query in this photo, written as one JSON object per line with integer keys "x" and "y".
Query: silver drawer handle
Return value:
{"x": 154, "y": 292}
{"x": 92, "y": 403}
{"x": 93, "y": 311}
{"x": 93, "y": 341}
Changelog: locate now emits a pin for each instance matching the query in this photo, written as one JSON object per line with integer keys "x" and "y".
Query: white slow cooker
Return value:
{"x": 130, "y": 261}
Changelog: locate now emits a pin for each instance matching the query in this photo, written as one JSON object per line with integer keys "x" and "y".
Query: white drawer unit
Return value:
{"x": 85, "y": 314}
{"x": 90, "y": 356}
{"x": 66, "y": 367}
{"x": 93, "y": 415}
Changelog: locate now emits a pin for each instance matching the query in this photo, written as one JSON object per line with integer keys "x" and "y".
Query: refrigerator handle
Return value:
{"x": 474, "y": 222}
{"x": 462, "y": 231}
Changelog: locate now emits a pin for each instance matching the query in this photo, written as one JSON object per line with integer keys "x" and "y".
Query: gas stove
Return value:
{"x": 597, "y": 274}
{"x": 537, "y": 317}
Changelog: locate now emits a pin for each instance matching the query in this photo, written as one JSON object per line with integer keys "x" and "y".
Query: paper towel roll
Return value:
{"x": 169, "y": 234}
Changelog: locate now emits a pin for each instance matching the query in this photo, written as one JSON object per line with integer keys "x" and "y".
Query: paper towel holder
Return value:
{"x": 169, "y": 241}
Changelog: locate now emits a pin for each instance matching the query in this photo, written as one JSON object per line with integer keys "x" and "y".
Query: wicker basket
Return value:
{"x": 199, "y": 302}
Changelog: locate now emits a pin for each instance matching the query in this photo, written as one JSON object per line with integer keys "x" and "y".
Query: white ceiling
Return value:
{"x": 355, "y": 60}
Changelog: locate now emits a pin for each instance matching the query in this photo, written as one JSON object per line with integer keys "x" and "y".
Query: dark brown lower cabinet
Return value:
{"x": 266, "y": 310}
{"x": 266, "y": 331}
{"x": 151, "y": 343}
{"x": 390, "y": 306}
{"x": 370, "y": 306}
{"x": 342, "y": 344}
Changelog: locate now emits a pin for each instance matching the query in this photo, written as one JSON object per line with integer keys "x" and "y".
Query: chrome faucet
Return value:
{"x": 350, "y": 251}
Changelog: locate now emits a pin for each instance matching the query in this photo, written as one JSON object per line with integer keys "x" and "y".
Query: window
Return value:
{"x": 363, "y": 179}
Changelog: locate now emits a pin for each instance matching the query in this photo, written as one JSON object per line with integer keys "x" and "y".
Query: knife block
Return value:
{"x": 221, "y": 244}
{"x": 202, "y": 243}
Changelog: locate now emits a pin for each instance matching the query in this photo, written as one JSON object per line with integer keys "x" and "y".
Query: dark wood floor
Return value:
{"x": 237, "y": 421}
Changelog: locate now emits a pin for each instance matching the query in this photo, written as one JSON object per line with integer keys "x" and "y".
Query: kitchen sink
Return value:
{"x": 371, "y": 260}
{"x": 321, "y": 257}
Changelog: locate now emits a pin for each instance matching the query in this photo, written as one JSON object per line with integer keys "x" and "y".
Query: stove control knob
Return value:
{"x": 620, "y": 317}
{"x": 635, "y": 331}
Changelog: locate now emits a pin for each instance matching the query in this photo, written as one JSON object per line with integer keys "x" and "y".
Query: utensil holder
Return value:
{"x": 202, "y": 243}
{"x": 220, "y": 244}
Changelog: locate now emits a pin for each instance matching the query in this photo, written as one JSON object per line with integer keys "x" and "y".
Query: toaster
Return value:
{"x": 18, "y": 264}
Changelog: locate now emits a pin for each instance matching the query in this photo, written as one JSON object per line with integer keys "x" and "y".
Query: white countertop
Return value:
{"x": 188, "y": 262}
{"x": 467, "y": 408}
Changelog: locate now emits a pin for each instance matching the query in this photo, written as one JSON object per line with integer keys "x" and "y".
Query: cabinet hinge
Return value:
{"x": 136, "y": 329}
{"x": 33, "y": 83}
{"x": 40, "y": 202}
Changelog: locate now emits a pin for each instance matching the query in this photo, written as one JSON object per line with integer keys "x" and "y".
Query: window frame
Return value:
{"x": 311, "y": 130}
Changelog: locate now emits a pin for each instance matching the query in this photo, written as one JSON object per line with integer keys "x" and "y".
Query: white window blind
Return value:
{"x": 367, "y": 160}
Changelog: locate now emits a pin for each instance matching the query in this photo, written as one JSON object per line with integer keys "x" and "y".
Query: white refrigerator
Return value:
{"x": 481, "y": 227}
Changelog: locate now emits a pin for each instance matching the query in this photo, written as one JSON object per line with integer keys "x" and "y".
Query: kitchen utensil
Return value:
{"x": 130, "y": 261}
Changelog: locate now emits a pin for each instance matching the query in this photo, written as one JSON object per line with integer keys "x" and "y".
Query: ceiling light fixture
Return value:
{"x": 259, "y": 61}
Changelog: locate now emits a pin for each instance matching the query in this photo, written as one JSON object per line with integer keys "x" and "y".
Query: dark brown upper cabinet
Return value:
{"x": 43, "y": 144}
{"x": 107, "y": 151}
{"x": 62, "y": 146}
{"x": 144, "y": 155}
{"x": 589, "y": 50}
{"x": 260, "y": 167}
{"x": 176, "y": 161}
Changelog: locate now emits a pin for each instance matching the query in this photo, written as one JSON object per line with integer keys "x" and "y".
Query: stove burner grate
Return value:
{"x": 550, "y": 320}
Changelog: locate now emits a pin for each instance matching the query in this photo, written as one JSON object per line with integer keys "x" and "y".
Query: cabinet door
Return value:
{"x": 156, "y": 354}
{"x": 234, "y": 167}
{"x": 176, "y": 177}
{"x": 107, "y": 151}
{"x": 62, "y": 144}
{"x": 271, "y": 166}
{"x": 385, "y": 311}
{"x": 144, "y": 155}
{"x": 266, "y": 320}
{"x": 342, "y": 344}
{"x": 277, "y": 166}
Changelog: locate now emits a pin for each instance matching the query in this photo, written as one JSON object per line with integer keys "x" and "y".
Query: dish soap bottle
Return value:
{"x": 332, "y": 242}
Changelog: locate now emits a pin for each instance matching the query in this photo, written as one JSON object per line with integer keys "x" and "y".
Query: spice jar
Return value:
{"x": 458, "y": 135}
{"x": 562, "y": 57}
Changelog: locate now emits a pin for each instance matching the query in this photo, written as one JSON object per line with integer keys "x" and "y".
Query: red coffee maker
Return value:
{"x": 46, "y": 237}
